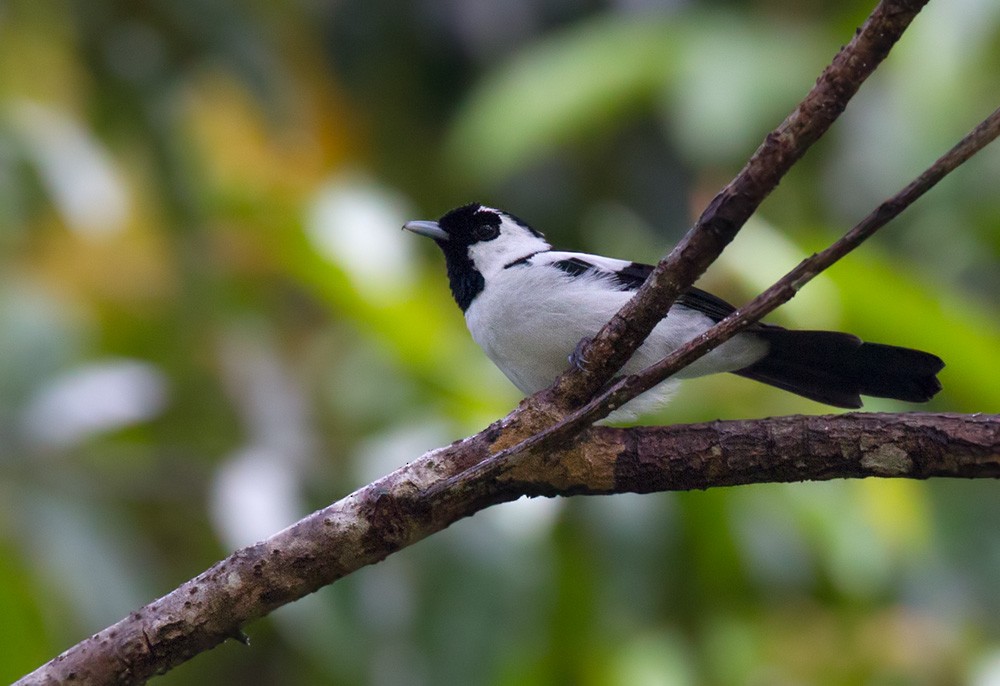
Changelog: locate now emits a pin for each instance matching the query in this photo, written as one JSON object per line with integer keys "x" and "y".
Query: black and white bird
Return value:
{"x": 528, "y": 306}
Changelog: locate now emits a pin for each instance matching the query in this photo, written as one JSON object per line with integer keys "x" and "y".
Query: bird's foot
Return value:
{"x": 577, "y": 359}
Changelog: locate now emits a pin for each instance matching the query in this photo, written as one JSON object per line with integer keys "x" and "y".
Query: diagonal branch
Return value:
{"x": 785, "y": 288}
{"x": 729, "y": 210}
{"x": 398, "y": 510}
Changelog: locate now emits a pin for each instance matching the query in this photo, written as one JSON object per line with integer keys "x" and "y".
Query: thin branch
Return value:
{"x": 399, "y": 510}
{"x": 779, "y": 293}
{"x": 610, "y": 349}
{"x": 785, "y": 288}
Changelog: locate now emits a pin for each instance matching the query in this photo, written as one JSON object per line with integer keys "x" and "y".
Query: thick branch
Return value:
{"x": 799, "y": 448}
{"x": 400, "y": 509}
{"x": 730, "y": 209}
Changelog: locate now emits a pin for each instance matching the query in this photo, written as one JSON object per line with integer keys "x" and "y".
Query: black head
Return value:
{"x": 478, "y": 242}
{"x": 475, "y": 223}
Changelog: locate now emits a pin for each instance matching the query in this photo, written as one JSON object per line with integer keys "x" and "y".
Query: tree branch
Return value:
{"x": 610, "y": 349}
{"x": 399, "y": 510}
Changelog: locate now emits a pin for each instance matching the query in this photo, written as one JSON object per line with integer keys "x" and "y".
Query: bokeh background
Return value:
{"x": 211, "y": 324}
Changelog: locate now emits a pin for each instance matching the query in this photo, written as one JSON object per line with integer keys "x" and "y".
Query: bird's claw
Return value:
{"x": 577, "y": 359}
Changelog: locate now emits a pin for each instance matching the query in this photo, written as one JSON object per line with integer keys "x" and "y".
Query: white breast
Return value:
{"x": 528, "y": 320}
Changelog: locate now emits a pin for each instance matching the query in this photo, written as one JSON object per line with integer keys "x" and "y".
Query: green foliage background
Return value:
{"x": 210, "y": 324}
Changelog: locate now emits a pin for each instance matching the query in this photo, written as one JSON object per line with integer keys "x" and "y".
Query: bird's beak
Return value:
{"x": 427, "y": 228}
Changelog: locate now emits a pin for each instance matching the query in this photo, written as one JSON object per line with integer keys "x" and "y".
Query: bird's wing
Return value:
{"x": 629, "y": 276}
{"x": 577, "y": 263}
{"x": 706, "y": 303}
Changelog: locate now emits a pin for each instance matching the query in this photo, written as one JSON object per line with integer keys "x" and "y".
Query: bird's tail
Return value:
{"x": 837, "y": 368}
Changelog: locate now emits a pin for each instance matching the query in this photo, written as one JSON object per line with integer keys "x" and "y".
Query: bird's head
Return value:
{"x": 483, "y": 239}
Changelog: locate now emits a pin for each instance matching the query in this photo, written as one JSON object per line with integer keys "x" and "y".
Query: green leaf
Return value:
{"x": 565, "y": 87}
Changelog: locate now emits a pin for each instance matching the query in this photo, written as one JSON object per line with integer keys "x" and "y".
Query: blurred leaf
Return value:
{"x": 22, "y": 631}
{"x": 583, "y": 81}
{"x": 757, "y": 69}
{"x": 921, "y": 313}
{"x": 651, "y": 660}
{"x": 110, "y": 575}
{"x": 571, "y": 84}
{"x": 898, "y": 511}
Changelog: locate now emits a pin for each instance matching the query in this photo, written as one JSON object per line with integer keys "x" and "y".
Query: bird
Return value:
{"x": 528, "y": 307}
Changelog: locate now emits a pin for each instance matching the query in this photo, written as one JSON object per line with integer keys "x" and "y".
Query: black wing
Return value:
{"x": 574, "y": 266}
{"x": 706, "y": 303}
{"x": 829, "y": 367}
{"x": 633, "y": 275}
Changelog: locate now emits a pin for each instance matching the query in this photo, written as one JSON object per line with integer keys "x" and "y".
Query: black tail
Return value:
{"x": 836, "y": 368}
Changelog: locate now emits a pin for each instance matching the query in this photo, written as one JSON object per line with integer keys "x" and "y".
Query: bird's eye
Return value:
{"x": 485, "y": 232}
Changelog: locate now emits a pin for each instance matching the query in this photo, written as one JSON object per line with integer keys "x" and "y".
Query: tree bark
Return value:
{"x": 404, "y": 507}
